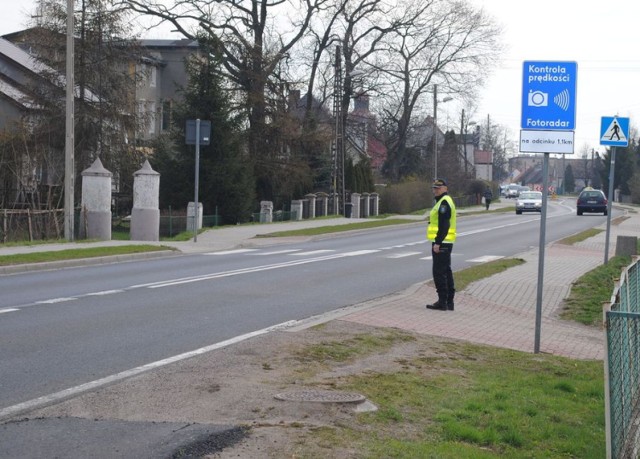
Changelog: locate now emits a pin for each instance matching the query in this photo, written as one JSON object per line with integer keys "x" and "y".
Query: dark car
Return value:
{"x": 591, "y": 200}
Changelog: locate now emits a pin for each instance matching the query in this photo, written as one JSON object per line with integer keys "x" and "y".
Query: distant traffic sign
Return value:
{"x": 614, "y": 131}
{"x": 549, "y": 95}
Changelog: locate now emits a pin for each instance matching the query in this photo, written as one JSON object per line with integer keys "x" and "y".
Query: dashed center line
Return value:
{"x": 105, "y": 292}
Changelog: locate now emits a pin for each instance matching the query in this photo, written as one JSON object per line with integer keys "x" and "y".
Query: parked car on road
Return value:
{"x": 529, "y": 201}
{"x": 590, "y": 200}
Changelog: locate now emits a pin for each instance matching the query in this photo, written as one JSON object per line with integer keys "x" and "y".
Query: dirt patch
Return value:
{"x": 237, "y": 385}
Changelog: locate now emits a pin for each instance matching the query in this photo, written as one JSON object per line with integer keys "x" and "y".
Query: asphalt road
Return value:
{"x": 68, "y": 328}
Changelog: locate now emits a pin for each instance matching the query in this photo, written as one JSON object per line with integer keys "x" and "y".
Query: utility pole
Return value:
{"x": 69, "y": 167}
{"x": 337, "y": 181}
{"x": 463, "y": 138}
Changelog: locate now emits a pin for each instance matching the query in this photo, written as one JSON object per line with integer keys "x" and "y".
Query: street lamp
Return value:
{"x": 435, "y": 127}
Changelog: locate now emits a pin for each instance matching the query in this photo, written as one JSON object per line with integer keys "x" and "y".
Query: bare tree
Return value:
{"x": 105, "y": 109}
{"x": 449, "y": 43}
{"x": 251, "y": 38}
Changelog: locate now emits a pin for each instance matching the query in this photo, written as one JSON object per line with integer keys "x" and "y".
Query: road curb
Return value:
{"x": 62, "y": 264}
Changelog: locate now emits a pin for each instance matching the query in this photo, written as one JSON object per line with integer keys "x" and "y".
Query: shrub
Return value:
{"x": 405, "y": 197}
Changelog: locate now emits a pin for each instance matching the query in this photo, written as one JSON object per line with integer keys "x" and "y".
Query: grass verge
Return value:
{"x": 464, "y": 277}
{"x": 460, "y": 400}
{"x": 584, "y": 303}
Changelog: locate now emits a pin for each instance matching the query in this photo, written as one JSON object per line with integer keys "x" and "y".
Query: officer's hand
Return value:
{"x": 436, "y": 248}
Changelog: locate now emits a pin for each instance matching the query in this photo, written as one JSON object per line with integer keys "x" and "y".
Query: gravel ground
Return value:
{"x": 237, "y": 385}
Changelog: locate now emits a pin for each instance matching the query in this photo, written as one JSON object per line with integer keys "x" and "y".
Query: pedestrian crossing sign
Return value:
{"x": 614, "y": 131}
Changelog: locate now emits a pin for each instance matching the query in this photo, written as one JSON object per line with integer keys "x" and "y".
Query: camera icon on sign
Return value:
{"x": 538, "y": 99}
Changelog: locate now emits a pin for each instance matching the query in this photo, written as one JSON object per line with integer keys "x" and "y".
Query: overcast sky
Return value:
{"x": 601, "y": 37}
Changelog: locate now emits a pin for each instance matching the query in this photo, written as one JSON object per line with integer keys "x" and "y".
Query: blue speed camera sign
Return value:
{"x": 549, "y": 95}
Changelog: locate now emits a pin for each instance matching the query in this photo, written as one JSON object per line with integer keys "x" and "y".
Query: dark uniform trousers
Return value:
{"x": 442, "y": 274}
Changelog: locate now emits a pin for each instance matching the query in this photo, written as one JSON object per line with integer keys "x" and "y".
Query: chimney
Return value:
{"x": 361, "y": 103}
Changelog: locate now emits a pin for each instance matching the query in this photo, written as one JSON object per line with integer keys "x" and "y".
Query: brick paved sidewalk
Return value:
{"x": 500, "y": 310}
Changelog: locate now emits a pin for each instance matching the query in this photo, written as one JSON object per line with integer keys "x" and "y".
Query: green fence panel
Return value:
{"x": 623, "y": 354}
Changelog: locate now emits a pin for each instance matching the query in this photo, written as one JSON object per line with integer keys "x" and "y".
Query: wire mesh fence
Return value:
{"x": 622, "y": 366}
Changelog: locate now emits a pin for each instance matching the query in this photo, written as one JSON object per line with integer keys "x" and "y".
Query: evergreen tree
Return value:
{"x": 105, "y": 72}
{"x": 624, "y": 170}
{"x": 449, "y": 164}
{"x": 226, "y": 182}
{"x": 358, "y": 177}
{"x": 569, "y": 183}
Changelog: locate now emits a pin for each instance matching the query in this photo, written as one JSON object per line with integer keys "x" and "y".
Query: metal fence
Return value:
{"x": 31, "y": 225}
{"x": 622, "y": 366}
{"x": 276, "y": 216}
{"x": 171, "y": 225}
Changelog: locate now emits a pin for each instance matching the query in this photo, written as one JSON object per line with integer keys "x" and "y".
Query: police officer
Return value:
{"x": 442, "y": 234}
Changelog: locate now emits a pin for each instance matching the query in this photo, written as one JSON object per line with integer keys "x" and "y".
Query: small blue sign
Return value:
{"x": 190, "y": 132}
{"x": 549, "y": 95}
{"x": 614, "y": 131}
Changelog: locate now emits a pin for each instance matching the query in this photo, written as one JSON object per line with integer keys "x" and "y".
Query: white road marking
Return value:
{"x": 73, "y": 391}
{"x": 403, "y": 254}
{"x": 485, "y": 259}
{"x": 231, "y": 252}
{"x": 277, "y": 252}
{"x": 255, "y": 269}
{"x": 312, "y": 252}
{"x": 105, "y": 292}
{"x": 56, "y": 300}
{"x": 2, "y": 311}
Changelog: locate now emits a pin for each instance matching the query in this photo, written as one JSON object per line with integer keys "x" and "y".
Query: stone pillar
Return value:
{"x": 355, "y": 205}
{"x": 95, "y": 214}
{"x": 365, "y": 204}
{"x": 266, "y": 211}
{"x": 312, "y": 204}
{"x": 323, "y": 202}
{"x": 375, "y": 204}
{"x": 145, "y": 216}
{"x": 191, "y": 216}
{"x": 297, "y": 207}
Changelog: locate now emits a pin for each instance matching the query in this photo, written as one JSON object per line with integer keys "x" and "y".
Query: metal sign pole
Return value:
{"x": 543, "y": 226}
{"x": 612, "y": 169}
{"x": 195, "y": 199}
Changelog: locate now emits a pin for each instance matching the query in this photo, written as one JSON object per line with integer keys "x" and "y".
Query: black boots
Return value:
{"x": 450, "y": 296}
{"x": 441, "y": 306}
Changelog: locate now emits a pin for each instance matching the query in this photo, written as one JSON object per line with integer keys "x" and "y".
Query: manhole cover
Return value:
{"x": 323, "y": 396}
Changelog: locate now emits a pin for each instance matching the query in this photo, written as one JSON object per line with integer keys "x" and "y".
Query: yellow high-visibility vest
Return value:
{"x": 432, "y": 229}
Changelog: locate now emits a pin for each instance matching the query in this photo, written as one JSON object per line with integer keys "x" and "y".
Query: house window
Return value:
{"x": 166, "y": 115}
{"x": 147, "y": 115}
{"x": 151, "y": 112}
{"x": 153, "y": 75}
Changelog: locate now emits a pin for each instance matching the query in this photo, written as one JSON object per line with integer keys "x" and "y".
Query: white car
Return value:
{"x": 512, "y": 191}
{"x": 529, "y": 201}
